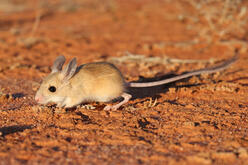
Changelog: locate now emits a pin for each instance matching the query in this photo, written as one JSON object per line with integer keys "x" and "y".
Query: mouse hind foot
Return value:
{"x": 126, "y": 97}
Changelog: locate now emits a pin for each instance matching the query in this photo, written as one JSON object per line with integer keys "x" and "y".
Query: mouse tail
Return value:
{"x": 217, "y": 68}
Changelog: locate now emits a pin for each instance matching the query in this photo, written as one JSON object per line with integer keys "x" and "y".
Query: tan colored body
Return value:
{"x": 100, "y": 82}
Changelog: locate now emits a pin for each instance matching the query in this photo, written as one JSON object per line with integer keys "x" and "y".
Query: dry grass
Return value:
{"x": 150, "y": 103}
{"x": 139, "y": 58}
{"x": 225, "y": 19}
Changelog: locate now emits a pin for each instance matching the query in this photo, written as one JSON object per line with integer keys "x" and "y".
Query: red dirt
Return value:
{"x": 201, "y": 120}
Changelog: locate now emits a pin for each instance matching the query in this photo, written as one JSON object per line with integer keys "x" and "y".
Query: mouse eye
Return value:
{"x": 52, "y": 89}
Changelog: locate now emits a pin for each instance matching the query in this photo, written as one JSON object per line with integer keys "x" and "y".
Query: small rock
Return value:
{"x": 242, "y": 152}
{"x": 189, "y": 106}
{"x": 189, "y": 124}
{"x": 224, "y": 156}
{"x": 198, "y": 160}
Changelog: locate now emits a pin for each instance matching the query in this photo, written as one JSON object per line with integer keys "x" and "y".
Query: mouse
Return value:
{"x": 73, "y": 85}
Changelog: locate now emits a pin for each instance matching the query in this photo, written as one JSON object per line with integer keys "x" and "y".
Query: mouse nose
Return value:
{"x": 38, "y": 98}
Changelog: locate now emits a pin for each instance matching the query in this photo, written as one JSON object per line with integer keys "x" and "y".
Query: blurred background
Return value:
{"x": 100, "y": 28}
{"x": 34, "y": 32}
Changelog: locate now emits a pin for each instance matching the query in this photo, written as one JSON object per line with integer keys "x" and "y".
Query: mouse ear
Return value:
{"x": 58, "y": 64}
{"x": 69, "y": 70}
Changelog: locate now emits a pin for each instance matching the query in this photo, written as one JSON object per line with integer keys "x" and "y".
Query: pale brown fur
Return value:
{"x": 95, "y": 84}
{"x": 101, "y": 82}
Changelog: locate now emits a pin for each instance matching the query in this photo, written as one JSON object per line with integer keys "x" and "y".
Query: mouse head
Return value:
{"x": 55, "y": 86}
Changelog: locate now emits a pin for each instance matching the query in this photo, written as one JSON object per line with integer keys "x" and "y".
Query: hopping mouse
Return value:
{"x": 100, "y": 82}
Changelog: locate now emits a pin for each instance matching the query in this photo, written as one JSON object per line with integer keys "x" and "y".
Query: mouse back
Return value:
{"x": 100, "y": 81}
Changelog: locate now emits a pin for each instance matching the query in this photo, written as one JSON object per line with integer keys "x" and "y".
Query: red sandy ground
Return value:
{"x": 201, "y": 120}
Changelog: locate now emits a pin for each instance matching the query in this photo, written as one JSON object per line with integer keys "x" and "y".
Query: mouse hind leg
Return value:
{"x": 126, "y": 97}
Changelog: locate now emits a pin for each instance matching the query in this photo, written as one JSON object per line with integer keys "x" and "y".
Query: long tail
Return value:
{"x": 218, "y": 68}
